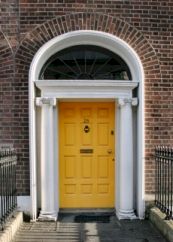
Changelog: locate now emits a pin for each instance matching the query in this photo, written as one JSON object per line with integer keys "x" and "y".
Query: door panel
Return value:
{"x": 87, "y": 152}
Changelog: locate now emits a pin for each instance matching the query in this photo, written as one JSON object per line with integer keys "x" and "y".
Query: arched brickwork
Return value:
{"x": 98, "y": 22}
{"x": 86, "y": 21}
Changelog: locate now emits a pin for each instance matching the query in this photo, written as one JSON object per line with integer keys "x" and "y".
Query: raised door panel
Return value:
{"x": 86, "y": 134}
{"x": 103, "y": 167}
{"x": 70, "y": 167}
{"x": 86, "y": 167}
{"x": 69, "y": 134}
{"x": 103, "y": 134}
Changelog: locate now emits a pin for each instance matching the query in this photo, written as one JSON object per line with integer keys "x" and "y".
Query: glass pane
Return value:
{"x": 85, "y": 62}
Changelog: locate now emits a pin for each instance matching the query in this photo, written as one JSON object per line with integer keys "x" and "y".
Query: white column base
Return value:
{"x": 48, "y": 216}
{"x": 125, "y": 214}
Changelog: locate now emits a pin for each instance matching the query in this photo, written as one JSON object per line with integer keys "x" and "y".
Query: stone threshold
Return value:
{"x": 11, "y": 227}
{"x": 164, "y": 226}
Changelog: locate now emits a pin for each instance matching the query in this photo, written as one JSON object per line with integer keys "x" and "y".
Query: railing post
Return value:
{"x": 8, "y": 161}
{"x": 164, "y": 180}
{"x": 1, "y": 208}
{"x": 171, "y": 186}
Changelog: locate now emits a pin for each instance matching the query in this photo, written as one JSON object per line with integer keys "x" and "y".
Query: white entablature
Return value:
{"x": 86, "y": 89}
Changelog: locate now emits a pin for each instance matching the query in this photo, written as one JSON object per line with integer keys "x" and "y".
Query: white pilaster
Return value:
{"x": 125, "y": 208}
{"x": 48, "y": 206}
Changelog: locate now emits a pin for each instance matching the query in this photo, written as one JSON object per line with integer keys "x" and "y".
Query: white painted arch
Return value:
{"x": 115, "y": 45}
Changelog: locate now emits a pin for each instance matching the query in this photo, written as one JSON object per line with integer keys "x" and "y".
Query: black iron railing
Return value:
{"x": 164, "y": 180}
{"x": 8, "y": 198}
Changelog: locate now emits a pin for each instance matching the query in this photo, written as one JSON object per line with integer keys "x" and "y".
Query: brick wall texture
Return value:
{"x": 147, "y": 26}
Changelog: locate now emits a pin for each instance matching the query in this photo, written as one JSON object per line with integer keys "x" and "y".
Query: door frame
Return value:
{"x": 54, "y": 90}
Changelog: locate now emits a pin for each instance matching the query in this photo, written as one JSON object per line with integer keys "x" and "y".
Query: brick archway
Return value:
{"x": 90, "y": 21}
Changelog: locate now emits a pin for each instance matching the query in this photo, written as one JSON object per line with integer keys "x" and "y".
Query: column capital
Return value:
{"x": 123, "y": 101}
{"x": 40, "y": 101}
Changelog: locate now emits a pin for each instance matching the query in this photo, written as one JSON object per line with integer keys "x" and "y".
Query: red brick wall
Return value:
{"x": 146, "y": 25}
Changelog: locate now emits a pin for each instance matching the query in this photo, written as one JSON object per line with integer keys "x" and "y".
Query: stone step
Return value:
{"x": 114, "y": 231}
{"x": 47, "y": 240}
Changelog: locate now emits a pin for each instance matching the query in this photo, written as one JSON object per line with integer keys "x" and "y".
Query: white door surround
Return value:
{"x": 54, "y": 90}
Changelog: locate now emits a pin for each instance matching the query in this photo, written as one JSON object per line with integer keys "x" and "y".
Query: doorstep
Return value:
{"x": 67, "y": 230}
{"x": 11, "y": 227}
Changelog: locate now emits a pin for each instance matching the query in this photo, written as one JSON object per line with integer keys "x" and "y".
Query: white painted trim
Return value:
{"x": 32, "y": 150}
{"x": 141, "y": 150}
{"x": 117, "y": 46}
{"x": 87, "y": 83}
{"x": 86, "y": 89}
{"x": 24, "y": 203}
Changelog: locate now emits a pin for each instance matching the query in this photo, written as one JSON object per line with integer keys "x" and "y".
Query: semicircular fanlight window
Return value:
{"x": 85, "y": 62}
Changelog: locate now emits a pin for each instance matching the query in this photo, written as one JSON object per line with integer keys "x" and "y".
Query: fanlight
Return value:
{"x": 84, "y": 62}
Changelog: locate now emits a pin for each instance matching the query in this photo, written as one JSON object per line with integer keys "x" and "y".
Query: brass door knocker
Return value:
{"x": 86, "y": 129}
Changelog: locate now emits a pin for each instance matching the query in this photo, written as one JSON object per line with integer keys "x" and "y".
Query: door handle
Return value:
{"x": 109, "y": 151}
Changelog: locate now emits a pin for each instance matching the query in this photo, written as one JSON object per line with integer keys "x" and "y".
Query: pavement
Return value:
{"x": 66, "y": 230}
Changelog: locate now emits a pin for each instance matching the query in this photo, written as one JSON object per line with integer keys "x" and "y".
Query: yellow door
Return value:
{"x": 86, "y": 139}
